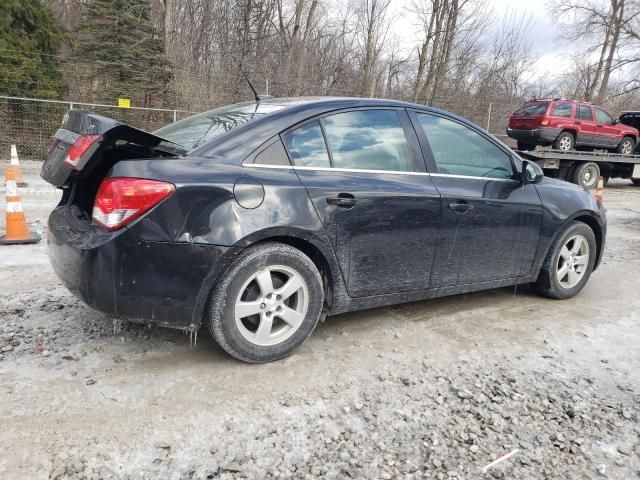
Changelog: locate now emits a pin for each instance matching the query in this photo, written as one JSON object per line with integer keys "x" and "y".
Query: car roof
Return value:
{"x": 308, "y": 100}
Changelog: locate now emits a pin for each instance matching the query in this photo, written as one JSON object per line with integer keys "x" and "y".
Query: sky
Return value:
{"x": 543, "y": 31}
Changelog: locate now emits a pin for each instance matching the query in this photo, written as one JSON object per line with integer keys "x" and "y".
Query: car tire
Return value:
{"x": 525, "y": 147}
{"x": 253, "y": 281}
{"x": 636, "y": 181}
{"x": 565, "y": 141}
{"x": 552, "y": 282}
{"x": 586, "y": 175}
{"x": 627, "y": 146}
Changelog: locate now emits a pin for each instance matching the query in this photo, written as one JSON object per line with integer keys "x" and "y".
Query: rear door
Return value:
{"x": 586, "y": 125}
{"x": 607, "y": 133}
{"x": 365, "y": 176}
{"x": 490, "y": 222}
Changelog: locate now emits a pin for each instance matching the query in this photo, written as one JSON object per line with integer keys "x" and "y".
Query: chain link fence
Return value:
{"x": 30, "y": 123}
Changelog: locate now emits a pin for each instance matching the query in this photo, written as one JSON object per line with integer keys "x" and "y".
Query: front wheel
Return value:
{"x": 569, "y": 262}
{"x": 626, "y": 146}
{"x": 266, "y": 304}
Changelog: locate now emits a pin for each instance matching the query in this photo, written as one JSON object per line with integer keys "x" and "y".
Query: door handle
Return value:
{"x": 345, "y": 200}
{"x": 460, "y": 207}
{"x": 578, "y": 122}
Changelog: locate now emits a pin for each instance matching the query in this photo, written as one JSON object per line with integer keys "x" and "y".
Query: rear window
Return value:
{"x": 533, "y": 108}
{"x": 199, "y": 129}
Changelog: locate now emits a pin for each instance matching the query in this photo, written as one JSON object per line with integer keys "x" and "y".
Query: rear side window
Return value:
{"x": 603, "y": 117}
{"x": 459, "y": 150}
{"x": 584, "y": 112}
{"x": 562, "y": 109}
{"x": 533, "y": 108}
{"x": 274, "y": 154}
{"x": 368, "y": 140}
{"x": 306, "y": 146}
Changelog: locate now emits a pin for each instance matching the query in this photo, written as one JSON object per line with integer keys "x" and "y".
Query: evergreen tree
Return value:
{"x": 29, "y": 40}
{"x": 122, "y": 52}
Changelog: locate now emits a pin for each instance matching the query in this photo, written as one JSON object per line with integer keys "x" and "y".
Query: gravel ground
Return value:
{"x": 435, "y": 389}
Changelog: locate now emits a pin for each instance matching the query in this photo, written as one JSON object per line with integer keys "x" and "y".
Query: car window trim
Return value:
{"x": 416, "y": 159}
{"x": 429, "y": 157}
{"x": 327, "y": 145}
{"x": 385, "y": 172}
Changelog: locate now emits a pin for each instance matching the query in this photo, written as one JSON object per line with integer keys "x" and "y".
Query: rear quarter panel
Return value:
{"x": 204, "y": 210}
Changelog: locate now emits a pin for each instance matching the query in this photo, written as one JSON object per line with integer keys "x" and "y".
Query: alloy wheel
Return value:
{"x": 271, "y": 305}
{"x": 627, "y": 147}
{"x": 573, "y": 261}
{"x": 565, "y": 143}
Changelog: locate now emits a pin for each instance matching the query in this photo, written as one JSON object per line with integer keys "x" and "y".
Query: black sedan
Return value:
{"x": 260, "y": 219}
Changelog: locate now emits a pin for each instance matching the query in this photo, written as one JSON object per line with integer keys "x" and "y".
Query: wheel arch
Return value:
{"x": 597, "y": 229}
{"x": 570, "y": 130}
{"x": 308, "y": 243}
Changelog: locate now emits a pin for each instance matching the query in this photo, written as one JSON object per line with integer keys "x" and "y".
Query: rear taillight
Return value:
{"x": 79, "y": 148}
{"x": 119, "y": 199}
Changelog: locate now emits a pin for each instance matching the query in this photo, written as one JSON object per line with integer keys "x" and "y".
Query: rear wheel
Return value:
{"x": 266, "y": 304}
{"x": 626, "y": 146}
{"x": 586, "y": 175}
{"x": 565, "y": 141}
{"x": 636, "y": 181}
{"x": 569, "y": 262}
{"x": 526, "y": 146}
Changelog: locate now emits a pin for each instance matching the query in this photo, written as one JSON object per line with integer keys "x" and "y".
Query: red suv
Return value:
{"x": 568, "y": 124}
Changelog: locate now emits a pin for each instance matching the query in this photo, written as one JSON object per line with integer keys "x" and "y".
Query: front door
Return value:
{"x": 608, "y": 134}
{"x": 490, "y": 222}
{"x": 371, "y": 191}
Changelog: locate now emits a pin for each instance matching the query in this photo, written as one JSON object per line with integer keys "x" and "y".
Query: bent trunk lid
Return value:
{"x": 117, "y": 141}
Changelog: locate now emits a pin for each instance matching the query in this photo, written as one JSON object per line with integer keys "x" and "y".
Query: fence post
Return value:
{"x": 70, "y": 105}
{"x": 489, "y": 117}
{"x": 175, "y": 115}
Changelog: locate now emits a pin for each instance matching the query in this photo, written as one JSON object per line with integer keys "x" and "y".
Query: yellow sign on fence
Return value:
{"x": 124, "y": 103}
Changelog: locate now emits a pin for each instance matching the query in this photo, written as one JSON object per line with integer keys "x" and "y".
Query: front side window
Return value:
{"x": 603, "y": 117}
{"x": 459, "y": 150}
{"x": 562, "y": 109}
{"x": 306, "y": 146}
{"x": 369, "y": 140}
{"x": 584, "y": 112}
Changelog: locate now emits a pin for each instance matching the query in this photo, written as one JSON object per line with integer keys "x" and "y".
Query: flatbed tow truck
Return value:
{"x": 585, "y": 168}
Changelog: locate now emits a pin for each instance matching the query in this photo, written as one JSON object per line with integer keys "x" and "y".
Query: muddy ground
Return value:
{"x": 434, "y": 389}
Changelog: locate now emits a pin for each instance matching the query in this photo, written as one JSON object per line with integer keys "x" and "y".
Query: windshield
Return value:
{"x": 203, "y": 127}
{"x": 533, "y": 108}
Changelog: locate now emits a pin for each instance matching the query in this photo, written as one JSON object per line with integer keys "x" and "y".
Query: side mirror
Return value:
{"x": 531, "y": 172}
{"x": 616, "y": 121}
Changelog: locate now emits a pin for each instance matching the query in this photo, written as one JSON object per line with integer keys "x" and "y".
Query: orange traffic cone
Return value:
{"x": 599, "y": 193}
{"x": 17, "y": 228}
{"x": 15, "y": 167}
